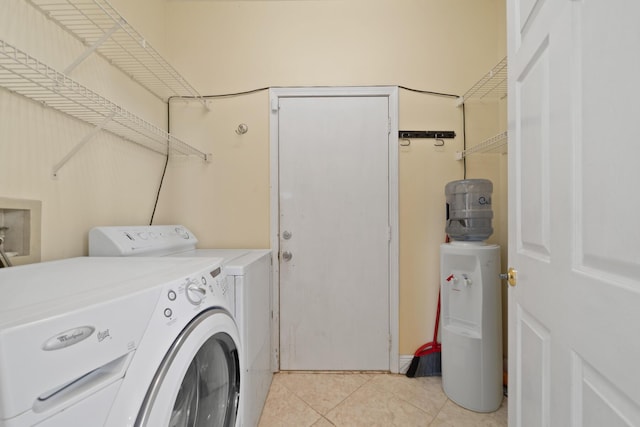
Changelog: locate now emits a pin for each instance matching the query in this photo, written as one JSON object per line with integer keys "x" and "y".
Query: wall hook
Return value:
{"x": 242, "y": 129}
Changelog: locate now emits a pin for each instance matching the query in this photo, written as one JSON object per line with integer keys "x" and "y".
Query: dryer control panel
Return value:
{"x": 150, "y": 240}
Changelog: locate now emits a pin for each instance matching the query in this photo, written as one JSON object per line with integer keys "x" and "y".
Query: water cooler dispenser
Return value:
{"x": 471, "y": 319}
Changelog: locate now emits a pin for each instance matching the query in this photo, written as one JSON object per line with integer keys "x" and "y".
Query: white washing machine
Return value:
{"x": 118, "y": 342}
{"x": 249, "y": 270}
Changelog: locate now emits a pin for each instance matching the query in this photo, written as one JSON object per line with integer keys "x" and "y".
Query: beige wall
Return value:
{"x": 225, "y": 202}
{"x": 231, "y": 46}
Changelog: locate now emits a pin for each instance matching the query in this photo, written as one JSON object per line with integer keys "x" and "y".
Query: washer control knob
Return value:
{"x": 196, "y": 292}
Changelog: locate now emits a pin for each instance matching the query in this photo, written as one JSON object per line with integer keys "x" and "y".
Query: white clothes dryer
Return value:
{"x": 249, "y": 272}
{"x": 118, "y": 342}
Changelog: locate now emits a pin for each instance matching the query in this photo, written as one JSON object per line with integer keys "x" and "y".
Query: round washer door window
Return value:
{"x": 198, "y": 383}
{"x": 208, "y": 393}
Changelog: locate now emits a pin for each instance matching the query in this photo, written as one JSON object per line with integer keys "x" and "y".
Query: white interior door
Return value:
{"x": 574, "y": 314}
{"x": 335, "y": 227}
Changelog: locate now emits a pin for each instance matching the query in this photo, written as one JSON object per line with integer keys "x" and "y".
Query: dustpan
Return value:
{"x": 427, "y": 360}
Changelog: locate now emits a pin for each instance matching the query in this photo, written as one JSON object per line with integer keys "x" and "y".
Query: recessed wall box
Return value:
{"x": 20, "y": 229}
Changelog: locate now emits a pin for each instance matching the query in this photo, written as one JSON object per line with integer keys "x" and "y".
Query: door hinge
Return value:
{"x": 388, "y": 233}
{"x": 388, "y": 125}
{"x": 274, "y": 105}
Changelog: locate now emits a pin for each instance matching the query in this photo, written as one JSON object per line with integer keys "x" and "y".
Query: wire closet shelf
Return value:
{"x": 495, "y": 144}
{"x": 25, "y": 75}
{"x": 103, "y": 30}
{"x": 492, "y": 86}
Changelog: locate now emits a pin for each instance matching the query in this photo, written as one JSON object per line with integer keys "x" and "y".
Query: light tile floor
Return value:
{"x": 302, "y": 399}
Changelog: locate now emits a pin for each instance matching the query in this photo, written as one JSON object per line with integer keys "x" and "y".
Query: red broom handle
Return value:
{"x": 435, "y": 330}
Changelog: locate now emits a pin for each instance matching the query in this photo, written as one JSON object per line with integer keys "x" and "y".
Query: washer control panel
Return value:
{"x": 199, "y": 291}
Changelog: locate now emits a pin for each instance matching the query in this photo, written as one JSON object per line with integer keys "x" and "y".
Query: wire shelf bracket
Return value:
{"x": 81, "y": 144}
{"x": 91, "y": 49}
{"x": 100, "y": 27}
{"x": 22, "y": 74}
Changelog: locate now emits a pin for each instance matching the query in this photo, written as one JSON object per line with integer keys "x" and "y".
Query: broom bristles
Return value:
{"x": 413, "y": 367}
{"x": 428, "y": 365}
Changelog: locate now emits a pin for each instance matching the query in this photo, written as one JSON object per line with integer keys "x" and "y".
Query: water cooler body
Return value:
{"x": 471, "y": 323}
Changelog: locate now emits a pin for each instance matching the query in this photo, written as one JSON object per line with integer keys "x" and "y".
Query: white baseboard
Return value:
{"x": 404, "y": 362}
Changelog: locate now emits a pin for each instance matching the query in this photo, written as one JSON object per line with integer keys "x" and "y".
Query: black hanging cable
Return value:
{"x": 247, "y": 92}
{"x": 464, "y": 144}
{"x": 224, "y": 95}
{"x": 429, "y": 92}
{"x": 260, "y": 89}
{"x": 166, "y": 162}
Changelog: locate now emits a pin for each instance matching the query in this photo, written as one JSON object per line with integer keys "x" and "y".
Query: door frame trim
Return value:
{"x": 391, "y": 92}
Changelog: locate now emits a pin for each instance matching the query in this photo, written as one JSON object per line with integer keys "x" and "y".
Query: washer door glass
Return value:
{"x": 208, "y": 395}
{"x": 198, "y": 382}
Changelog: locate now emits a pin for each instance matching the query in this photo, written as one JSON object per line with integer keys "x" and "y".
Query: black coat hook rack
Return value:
{"x": 435, "y": 134}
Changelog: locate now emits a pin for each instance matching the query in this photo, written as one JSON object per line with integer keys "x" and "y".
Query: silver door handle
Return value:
{"x": 286, "y": 256}
{"x": 286, "y": 235}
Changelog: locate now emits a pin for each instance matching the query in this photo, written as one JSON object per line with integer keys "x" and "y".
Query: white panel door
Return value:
{"x": 574, "y": 235}
{"x": 334, "y": 224}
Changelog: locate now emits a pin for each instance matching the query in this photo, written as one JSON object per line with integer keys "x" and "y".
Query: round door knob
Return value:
{"x": 510, "y": 276}
{"x": 286, "y": 235}
{"x": 286, "y": 256}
